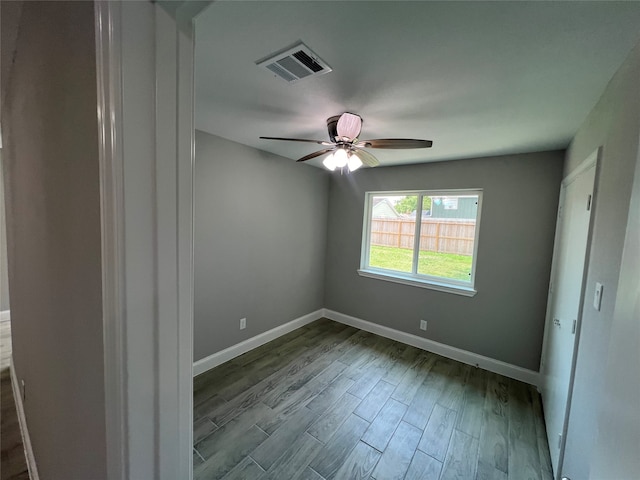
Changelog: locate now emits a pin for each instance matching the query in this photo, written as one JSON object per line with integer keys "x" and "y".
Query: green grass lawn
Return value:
{"x": 447, "y": 265}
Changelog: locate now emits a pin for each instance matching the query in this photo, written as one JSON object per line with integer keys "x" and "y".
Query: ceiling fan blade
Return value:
{"x": 315, "y": 154}
{"x": 368, "y": 159}
{"x": 394, "y": 143}
{"x": 349, "y": 126}
{"x": 319, "y": 142}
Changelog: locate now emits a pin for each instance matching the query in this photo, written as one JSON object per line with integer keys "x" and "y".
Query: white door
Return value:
{"x": 565, "y": 300}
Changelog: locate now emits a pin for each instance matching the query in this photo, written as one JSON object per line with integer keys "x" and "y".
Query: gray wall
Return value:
{"x": 52, "y": 191}
{"x": 505, "y": 320}
{"x": 616, "y": 452}
{"x": 4, "y": 272}
{"x": 614, "y": 123}
{"x": 260, "y": 236}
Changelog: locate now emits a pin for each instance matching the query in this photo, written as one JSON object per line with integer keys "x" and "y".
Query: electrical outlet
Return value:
{"x": 423, "y": 324}
{"x": 243, "y": 323}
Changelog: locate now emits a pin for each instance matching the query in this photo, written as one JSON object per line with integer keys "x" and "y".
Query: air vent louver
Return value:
{"x": 295, "y": 63}
{"x": 309, "y": 62}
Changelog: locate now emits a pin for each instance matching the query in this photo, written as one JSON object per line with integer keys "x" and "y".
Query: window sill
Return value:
{"x": 414, "y": 282}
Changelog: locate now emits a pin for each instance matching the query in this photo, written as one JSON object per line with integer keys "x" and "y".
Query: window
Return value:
{"x": 438, "y": 252}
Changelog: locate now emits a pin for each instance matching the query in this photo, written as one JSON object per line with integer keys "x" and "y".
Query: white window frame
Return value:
{"x": 415, "y": 279}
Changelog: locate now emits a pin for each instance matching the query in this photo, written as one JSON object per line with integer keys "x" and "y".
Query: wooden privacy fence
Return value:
{"x": 443, "y": 235}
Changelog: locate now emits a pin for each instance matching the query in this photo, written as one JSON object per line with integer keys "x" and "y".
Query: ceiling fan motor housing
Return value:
{"x": 332, "y": 126}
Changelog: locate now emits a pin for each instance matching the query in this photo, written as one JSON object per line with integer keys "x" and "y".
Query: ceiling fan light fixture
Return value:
{"x": 354, "y": 162}
{"x": 341, "y": 158}
{"x": 344, "y": 143}
{"x": 330, "y": 162}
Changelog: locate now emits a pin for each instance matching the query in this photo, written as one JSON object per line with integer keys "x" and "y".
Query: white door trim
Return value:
{"x": 108, "y": 45}
{"x": 144, "y": 55}
{"x": 592, "y": 160}
{"x": 586, "y": 164}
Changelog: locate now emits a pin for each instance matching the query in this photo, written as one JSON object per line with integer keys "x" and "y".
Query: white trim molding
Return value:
{"x": 585, "y": 165}
{"x": 238, "y": 349}
{"x": 144, "y": 55}
{"x": 496, "y": 366}
{"x": 464, "y": 356}
{"x": 5, "y": 315}
{"x": 416, "y": 282}
{"x": 22, "y": 421}
{"x": 109, "y": 95}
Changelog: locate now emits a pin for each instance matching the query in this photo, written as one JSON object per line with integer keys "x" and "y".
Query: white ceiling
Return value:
{"x": 477, "y": 78}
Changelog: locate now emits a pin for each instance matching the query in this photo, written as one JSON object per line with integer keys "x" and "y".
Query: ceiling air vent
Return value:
{"x": 295, "y": 63}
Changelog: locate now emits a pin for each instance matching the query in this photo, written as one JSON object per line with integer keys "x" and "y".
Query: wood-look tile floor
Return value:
{"x": 13, "y": 465}
{"x": 329, "y": 401}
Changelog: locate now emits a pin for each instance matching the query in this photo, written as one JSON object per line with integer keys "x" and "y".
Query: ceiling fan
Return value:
{"x": 346, "y": 149}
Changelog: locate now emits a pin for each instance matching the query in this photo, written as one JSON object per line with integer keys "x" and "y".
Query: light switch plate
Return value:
{"x": 597, "y": 296}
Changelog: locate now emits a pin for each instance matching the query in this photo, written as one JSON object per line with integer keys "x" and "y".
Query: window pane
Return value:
{"x": 393, "y": 227}
{"x": 447, "y": 236}
{"x": 426, "y": 206}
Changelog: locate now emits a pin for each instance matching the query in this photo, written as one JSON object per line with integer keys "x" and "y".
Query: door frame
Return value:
{"x": 145, "y": 86}
{"x": 593, "y": 160}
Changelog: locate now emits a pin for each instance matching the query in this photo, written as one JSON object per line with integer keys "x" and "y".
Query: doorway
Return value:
{"x": 566, "y": 293}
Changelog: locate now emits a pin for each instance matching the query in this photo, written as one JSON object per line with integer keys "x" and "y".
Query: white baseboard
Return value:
{"x": 5, "y": 315}
{"x": 227, "y": 354}
{"x": 22, "y": 420}
{"x": 497, "y": 366}
{"x": 512, "y": 371}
